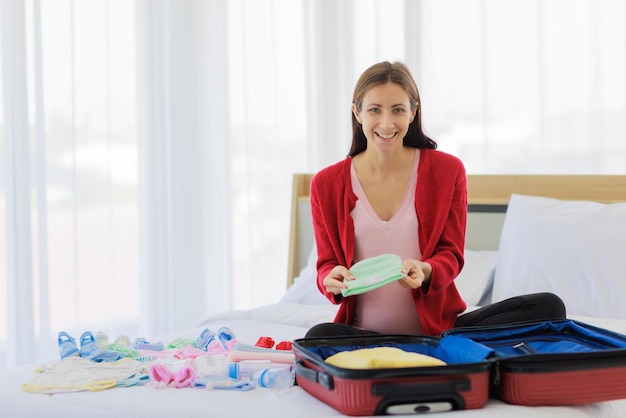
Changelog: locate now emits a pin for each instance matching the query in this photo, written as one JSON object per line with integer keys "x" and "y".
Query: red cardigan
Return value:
{"x": 441, "y": 208}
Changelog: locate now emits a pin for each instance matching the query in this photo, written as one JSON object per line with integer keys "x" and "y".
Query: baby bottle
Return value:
{"x": 277, "y": 378}
{"x": 246, "y": 368}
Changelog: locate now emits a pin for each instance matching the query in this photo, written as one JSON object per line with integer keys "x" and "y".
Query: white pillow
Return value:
{"x": 475, "y": 280}
{"x": 304, "y": 288}
{"x": 575, "y": 249}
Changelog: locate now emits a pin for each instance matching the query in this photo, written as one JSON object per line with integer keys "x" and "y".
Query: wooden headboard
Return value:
{"x": 300, "y": 238}
{"x": 488, "y": 196}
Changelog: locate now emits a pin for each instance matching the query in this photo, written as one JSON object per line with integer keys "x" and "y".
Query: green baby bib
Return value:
{"x": 372, "y": 273}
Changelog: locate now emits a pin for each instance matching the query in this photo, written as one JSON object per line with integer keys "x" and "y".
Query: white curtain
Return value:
{"x": 525, "y": 86}
{"x": 68, "y": 190}
{"x": 183, "y": 163}
{"x": 147, "y": 147}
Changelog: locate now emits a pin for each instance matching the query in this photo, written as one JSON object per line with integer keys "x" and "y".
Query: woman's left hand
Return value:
{"x": 416, "y": 273}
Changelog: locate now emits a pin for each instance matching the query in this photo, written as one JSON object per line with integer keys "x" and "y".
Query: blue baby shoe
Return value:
{"x": 67, "y": 345}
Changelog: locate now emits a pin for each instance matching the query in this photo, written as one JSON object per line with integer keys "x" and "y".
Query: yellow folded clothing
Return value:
{"x": 381, "y": 358}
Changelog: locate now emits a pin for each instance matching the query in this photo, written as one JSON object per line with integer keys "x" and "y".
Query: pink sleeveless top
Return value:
{"x": 389, "y": 309}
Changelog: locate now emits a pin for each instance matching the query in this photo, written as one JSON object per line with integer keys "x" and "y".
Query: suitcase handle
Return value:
{"x": 419, "y": 398}
{"x": 324, "y": 379}
{"x": 402, "y": 397}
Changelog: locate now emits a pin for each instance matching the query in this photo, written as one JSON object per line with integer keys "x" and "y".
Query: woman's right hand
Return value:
{"x": 334, "y": 282}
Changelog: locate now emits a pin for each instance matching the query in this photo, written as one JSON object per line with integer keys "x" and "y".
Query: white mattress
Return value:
{"x": 281, "y": 322}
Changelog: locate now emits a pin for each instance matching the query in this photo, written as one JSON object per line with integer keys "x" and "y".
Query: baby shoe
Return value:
{"x": 88, "y": 344}
{"x": 142, "y": 344}
{"x": 160, "y": 375}
{"x": 265, "y": 342}
{"x": 181, "y": 343}
{"x": 67, "y": 345}
{"x": 204, "y": 339}
{"x": 207, "y": 341}
{"x": 90, "y": 350}
{"x": 284, "y": 345}
{"x": 226, "y": 337}
{"x": 184, "y": 377}
{"x": 102, "y": 340}
{"x": 122, "y": 340}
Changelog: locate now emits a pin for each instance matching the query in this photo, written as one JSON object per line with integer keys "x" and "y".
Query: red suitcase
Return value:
{"x": 560, "y": 362}
{"x": 462, "y": 384}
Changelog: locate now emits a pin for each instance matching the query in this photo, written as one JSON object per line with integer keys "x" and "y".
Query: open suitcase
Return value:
{"x": 561, "y": 362}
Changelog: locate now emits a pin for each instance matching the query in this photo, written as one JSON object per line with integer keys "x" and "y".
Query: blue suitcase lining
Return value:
{"x": 452, "y": 350}
{"x": 472, "y": 345}
{"x": 550, "y": 337}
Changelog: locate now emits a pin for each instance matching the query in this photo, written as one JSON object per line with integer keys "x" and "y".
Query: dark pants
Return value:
{"x": 532, "y": 307}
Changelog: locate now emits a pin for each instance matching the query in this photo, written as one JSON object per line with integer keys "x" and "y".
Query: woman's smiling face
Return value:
{"x": 385, "y": 116}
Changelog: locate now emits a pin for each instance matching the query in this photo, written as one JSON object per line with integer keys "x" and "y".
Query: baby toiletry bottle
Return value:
{"x": 213, "y": 364}
{"x": 246, "y": 368}
{"x": 277, "y": 378}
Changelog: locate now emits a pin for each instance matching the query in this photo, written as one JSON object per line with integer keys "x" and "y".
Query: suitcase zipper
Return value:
{"x": 525, "y": 348}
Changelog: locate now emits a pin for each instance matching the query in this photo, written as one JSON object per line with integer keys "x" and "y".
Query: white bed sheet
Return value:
{"x": 279, "y": 321}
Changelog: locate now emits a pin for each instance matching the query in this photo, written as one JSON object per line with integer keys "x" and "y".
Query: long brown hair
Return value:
{"x": 381, "y": 73}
